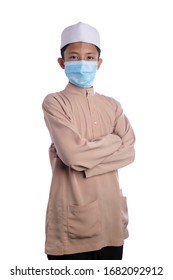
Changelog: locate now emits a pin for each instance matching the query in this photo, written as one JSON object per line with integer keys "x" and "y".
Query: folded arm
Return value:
{"x": 71, "y": 148}
{"x": 125, "y": 154}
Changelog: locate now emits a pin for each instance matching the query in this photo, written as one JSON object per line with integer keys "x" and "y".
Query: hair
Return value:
{"x": 64, "y": 48}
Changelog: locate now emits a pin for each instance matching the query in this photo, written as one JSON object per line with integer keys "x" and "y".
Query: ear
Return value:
{"x": 99, "y": 62}
{"x": 61, "y": 62}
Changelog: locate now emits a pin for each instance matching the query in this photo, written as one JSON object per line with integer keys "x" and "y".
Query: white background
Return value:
{"x": 137, "y": 70}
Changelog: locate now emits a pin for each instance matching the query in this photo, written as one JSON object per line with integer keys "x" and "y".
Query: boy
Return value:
{"x": 91, "y": 139}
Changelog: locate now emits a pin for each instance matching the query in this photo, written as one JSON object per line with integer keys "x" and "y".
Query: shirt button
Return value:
{"x": 95, "y": 122}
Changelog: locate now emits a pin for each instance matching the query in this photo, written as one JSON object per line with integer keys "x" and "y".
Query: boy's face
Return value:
{"x": 80, "y": 51}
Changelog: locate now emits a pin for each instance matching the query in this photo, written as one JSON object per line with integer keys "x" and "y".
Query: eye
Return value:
{"x": 90, "y": 57}
{"x": 73, "y": 57}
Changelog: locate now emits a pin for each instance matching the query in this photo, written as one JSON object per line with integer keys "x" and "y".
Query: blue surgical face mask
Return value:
{"x": 81, "y": 73}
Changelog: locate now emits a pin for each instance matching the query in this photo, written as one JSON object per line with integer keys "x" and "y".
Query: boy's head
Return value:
{"x": 80, "y": 43}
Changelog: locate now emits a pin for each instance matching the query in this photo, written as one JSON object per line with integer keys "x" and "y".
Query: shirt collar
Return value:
{"x": 72, "y": 89}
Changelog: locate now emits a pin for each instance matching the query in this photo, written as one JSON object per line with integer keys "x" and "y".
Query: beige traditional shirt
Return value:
{"x": 91, "y": 139}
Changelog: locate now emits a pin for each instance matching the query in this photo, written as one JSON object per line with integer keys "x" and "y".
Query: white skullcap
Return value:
{"x": 80, "y": 32}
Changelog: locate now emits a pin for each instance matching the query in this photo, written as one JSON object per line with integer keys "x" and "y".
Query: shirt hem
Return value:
{"x": 79, "y": 249}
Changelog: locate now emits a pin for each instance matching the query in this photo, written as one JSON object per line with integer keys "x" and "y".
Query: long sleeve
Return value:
{"x": 71, "y": 148}
{"x": 125, "y": 154}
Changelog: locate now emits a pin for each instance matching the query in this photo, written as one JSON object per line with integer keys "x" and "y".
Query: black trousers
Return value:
{"x": 106, "y": 253}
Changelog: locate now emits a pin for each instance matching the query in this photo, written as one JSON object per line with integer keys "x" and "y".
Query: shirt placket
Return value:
{"x": 93, "y": 116}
